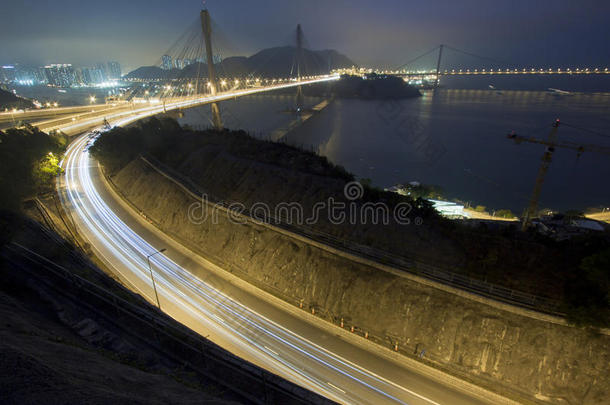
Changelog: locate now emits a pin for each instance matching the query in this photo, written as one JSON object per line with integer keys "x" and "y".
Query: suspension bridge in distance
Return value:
{"x": 497, "y": 68}
{"x": 506, "y": 72}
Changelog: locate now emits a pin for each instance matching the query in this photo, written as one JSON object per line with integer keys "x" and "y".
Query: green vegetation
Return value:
{"x": 29, "y": 161}
{"x": 505, "y": 214}
{"x": 417, "y": 190}
{"x": 480, "y": 208}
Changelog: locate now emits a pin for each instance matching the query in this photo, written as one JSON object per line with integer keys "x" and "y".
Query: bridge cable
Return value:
{"x": 503, "y": 62}
{"x": 417, "y": 58}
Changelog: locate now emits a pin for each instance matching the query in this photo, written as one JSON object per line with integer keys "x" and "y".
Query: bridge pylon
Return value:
{"x": 299, "y": 60}
{"x": 206, "y": 26}
{"x": 438, "y": 65}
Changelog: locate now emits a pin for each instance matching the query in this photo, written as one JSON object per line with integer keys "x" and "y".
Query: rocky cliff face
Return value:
{"x": 505, "y": 351}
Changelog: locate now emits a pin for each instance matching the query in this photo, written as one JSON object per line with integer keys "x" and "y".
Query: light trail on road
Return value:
{"x": 203, "y": 301}
{"x": 197, "y": 297}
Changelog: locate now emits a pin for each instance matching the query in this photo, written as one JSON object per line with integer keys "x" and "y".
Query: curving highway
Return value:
{"x": 75, "y": 120}
{"x": 238, "y": 317}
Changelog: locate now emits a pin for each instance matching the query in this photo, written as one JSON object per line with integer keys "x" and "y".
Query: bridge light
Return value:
{"x": 55, "y": 104}
{"x": 237, "y": 82}
{"x": 209, "y": 84}
{"x": 92, "y": 99}
{"x": 190, "y": 86}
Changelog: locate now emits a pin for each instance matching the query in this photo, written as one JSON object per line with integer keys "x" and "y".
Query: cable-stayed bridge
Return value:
{"x": 181, "y": 86}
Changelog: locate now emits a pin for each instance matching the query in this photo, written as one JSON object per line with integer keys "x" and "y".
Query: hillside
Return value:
{"x": 8, "y": 101}
{"x": 232, "y": 166}
{"x": 503, "y": 348}
{"x": 272, "y": 62}
{"x": 72, "y": 334}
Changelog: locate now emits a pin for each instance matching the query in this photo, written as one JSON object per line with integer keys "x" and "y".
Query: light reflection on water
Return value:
{"x": 452, "y": 138}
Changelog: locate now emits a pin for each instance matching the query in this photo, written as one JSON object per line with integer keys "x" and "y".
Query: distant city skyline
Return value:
{"x": 60, "y": 74}
{"x": 382, "y": 34}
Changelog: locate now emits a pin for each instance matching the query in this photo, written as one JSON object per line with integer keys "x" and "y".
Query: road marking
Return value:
{"x": 335, "y": 387}
{"x": 271, "y": 350}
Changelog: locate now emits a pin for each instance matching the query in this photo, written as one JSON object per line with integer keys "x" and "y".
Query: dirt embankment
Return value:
{"x": 507, "y": 352}
{"x": 70, "y": 334}
{"x": 56, "y": 350}
{"x": 288, "y": 177}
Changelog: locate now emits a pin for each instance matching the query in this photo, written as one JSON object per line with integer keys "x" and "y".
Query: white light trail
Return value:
{"x": 292, "y": 356}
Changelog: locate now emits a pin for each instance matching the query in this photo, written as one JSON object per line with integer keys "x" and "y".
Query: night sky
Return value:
{"x": 383, "y": 33}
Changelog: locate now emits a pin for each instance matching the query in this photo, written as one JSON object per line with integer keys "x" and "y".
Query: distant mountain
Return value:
{"x": 272, "y": 62}
{"x": 148, "y": 73}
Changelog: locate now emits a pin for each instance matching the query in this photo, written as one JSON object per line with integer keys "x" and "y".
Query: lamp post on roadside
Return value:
{"x": 151, "y": 274}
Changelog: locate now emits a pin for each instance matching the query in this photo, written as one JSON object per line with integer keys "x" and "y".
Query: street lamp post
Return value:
{"x": 151, "y": 274}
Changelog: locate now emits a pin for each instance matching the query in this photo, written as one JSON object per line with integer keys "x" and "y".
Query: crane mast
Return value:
{"x": 544, "y": 167}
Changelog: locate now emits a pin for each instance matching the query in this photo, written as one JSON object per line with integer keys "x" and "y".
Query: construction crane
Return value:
{"x": 551, "y": 143}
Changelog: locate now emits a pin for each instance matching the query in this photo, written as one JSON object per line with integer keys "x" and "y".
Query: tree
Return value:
{"x": 26, "y": 167}
{"x": 505, "y": 214}
{"x": 45, "y": 171}
{"x": 480, "y": 208}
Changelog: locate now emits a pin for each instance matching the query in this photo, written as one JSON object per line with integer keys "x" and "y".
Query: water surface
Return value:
{"x": 455, "y": 139}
